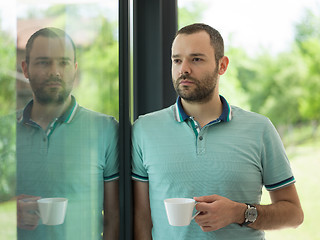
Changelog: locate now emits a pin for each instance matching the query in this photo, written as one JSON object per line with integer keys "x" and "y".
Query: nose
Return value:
{"x": 55, "y": 70}
{"x": 185, "y": 68}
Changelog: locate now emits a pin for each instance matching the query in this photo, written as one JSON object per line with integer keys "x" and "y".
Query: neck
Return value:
{"x": 43, "y": 114}
{"x": 204, "y": 112}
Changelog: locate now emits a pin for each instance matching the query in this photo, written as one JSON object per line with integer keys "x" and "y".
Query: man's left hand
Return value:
{"x": 218, "y": 212}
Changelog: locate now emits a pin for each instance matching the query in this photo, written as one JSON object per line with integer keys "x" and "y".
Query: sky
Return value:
{"x": 252, "y": 24}
{"x": 10, "y": 9}
{"x": 256, "y": 24}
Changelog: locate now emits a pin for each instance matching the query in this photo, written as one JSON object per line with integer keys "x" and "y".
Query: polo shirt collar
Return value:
{"x": 66, "y": 117}
{"x": 181, "y": 116}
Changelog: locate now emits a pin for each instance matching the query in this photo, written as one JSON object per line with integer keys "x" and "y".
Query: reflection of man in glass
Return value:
{"x": 63, "y": 149}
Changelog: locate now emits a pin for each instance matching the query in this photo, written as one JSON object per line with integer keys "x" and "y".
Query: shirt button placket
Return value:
{"x": 201, "y": 143}
{"x": 44, "y": 144}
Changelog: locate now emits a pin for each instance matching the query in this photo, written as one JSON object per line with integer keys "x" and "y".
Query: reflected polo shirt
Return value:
{"x": 72, "y": 158}
{"x": 233, "y": 156}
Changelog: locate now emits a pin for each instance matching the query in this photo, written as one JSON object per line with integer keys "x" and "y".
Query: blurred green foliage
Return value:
{"x": 99, "y": 86}
{"x": 190, "y": 12}
{"x": 285, "y": 86}
{"x": 7, "y": 116}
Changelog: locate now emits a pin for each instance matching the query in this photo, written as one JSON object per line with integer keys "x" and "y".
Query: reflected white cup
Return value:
{"x": 180, "y": 210}
{"x": 52, "y": 210}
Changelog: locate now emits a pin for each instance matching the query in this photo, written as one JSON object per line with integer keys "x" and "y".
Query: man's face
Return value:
{"x": 51, "y": 70}
{"x": 194, "y": 69}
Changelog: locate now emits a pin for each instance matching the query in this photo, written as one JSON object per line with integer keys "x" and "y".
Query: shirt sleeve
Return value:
{"x": 277, "y": 172}
{"x": 111, "y": 170}
{"x": 139, "y": 171}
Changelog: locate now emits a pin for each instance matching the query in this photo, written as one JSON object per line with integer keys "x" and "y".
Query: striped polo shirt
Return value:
{"x": 72, "y": 158}
{"x": 233, "y": 156}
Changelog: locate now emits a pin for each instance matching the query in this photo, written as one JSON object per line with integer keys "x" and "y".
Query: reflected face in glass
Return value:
{"x": 194, "y": 69}
{"x": 51, "y": 69}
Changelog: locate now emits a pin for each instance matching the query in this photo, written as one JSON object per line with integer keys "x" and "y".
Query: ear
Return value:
{"x": 223, "y": 65}
{"x": 24, "y": 66}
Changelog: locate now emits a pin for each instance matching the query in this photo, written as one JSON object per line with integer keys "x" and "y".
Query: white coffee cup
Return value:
{"x": 179, "y": 211}
{"x": 52, "y": 210}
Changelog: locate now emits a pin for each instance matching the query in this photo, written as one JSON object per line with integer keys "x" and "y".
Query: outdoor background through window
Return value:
{"x": 273, "y": 48}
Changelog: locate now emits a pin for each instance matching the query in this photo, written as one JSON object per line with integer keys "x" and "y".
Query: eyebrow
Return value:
{"x": 192, "y": 55}
{"x": 59, "y": 58}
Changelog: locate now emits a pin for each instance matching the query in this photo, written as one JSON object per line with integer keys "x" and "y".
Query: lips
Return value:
{"x": 186, "y": 82}
{"x": 53, "y": 84}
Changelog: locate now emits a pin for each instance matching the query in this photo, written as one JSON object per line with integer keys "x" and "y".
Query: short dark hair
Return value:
{"x": 216, "y": 39}
{"x": 50, "y": 32}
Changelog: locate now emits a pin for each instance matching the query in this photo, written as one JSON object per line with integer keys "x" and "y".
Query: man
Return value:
{"x": 203, "y": 148}
{"x": 63, "y": 149}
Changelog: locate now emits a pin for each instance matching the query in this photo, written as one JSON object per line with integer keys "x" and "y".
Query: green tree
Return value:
{"x": 99, "y": 78}
{"x": 7, "y": 74}
{"x": 7, "y": 116}
{"x": 97, "y": 87}
{"x": 273, "y": 84}
{"x": 308, "y": 27}
{"x": 307, "y": 38}
{"x": 310, "y": 104}
{"x": 7, "y": 157}
{"x": 230, "y": 84}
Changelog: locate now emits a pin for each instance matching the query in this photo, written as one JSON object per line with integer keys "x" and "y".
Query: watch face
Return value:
{"x": 251, "y": 214}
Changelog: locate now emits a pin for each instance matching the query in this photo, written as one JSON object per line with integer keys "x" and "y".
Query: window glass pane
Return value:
{"x": 63, "y": 146}
{"x": 7, "y": 119}
{"x": 273, "y": 50}
{"x": 93, "y": 26}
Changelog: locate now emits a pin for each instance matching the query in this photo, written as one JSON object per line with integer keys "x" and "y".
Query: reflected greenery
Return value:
{"x": 7, "y": 116}
{"x": 94, "y": 28}
{"x": 99, "y": 73}
{"x": 97, "y": 86}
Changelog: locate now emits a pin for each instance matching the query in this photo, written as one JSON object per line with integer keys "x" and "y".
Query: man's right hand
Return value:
{"x": 27, "y": 212}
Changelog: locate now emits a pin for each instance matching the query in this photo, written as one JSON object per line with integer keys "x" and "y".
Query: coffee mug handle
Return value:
{"x": 37, "y": 213}
{"x": 197, "y": 213}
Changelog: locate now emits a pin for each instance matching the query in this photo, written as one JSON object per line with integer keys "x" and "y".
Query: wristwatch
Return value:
{"x": 250, "y": 215}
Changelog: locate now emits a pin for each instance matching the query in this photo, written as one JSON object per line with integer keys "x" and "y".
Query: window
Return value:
{"x": 269, "y": 46}
{"x": 78, "y": 165}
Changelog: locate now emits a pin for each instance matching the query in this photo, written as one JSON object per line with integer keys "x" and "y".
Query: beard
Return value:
{"x": 46, "y": 95}
{"x": 201, "y": 91}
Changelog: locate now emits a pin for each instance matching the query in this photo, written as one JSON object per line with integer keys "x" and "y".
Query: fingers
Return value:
{"x": 24, "y": 196}
{"x": 208, "y": 223}
{"x": 26, "y": 212}
{"x": 207, "y": 228}
{"x": 216, "y": 212}
{"x": 204, "y": 218}
{"x": 28, "y": 206}
{"x": 27, "y": 220}
{"x": 207, "y": 199}
{"x": 205, "y": 207}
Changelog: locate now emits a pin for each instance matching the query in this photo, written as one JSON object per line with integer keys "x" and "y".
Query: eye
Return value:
{"x": 64, "y": 63}
{"x": 176, "y": 61}
{"x": 196, "y": 59}
{"x": 43, "y": 63}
